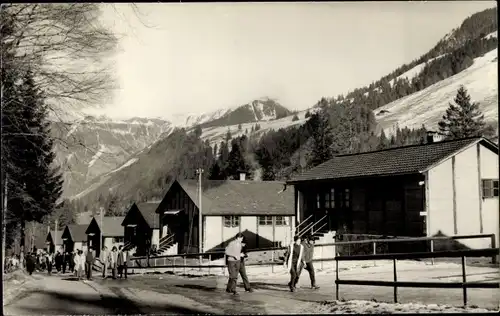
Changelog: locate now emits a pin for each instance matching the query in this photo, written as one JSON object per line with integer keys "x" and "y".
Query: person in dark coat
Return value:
{"x": 122, "y": 262}
{"x": 30, "y": 263}
{"x": 48, "y": 262}
{"x": 89, "y": 263}
{"x": 58, "y": 261}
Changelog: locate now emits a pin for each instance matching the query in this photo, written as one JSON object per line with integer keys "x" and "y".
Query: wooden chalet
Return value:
{"x": 54, "y": 241}
{"x": 74, "y": 237}
{"x": 228, "y": 207}
{"x": 141, "y": 227}
{"x": 109, "y": 233}
{"x": 440, "y": 188}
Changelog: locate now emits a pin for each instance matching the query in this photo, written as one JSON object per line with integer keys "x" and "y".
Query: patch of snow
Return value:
{"x": 427, "y": 106}
{"x": 491, "y": 35}
{"x": 73, "y": 129}
{"x": 125, "y": 165}
{"x": 252, "y": 107}
{"x": 368, "y": 307}
{"x": 99, "y": 153}
{"x": 413, "y": 72}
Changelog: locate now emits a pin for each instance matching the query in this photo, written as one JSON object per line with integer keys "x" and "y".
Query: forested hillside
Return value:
{"x": 342, "y": 124}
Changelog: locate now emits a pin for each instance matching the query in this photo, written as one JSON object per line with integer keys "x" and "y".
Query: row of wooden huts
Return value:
{"x": 439, "y": 188}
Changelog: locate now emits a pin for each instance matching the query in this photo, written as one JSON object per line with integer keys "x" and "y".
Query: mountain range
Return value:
{"x": 93, "y": 151}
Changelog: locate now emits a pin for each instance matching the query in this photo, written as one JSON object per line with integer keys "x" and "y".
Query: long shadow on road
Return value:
{"x": 64, "y": 304}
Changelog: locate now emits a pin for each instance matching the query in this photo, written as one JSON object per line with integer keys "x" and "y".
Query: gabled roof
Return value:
{"x": 235, "y": 197}
{"x": 111, "y": 225}
{"x": 77, "y": 232}
{"x": 148, "y": 211}
{"x": 52, "y": 233}
{"x": 393, "y": 161}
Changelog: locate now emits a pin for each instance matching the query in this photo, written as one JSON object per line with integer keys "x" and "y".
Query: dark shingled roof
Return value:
{"x": 112, "y": 226}
{"x": 77, "y": 232}
{"x": 234, "y": 197}
{"x": 394, "y": 161}
{"x": 52, "y": 233}
{"x": 148, "y": 211}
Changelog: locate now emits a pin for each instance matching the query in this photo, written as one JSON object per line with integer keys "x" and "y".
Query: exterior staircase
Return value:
{"x": 321, "y": 235}
{"x": 167, "y": 246}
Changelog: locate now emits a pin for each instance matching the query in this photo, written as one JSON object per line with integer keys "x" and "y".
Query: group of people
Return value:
{"x": 298, "y": 256}
{"x": 116, "y": 260}
{"x": 79, "y": 262}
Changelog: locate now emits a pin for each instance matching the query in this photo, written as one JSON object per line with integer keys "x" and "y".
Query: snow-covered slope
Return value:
{"x": 91, "y": 146}
{"x": 427, "y": 106}
{"x": 263, "y": 109}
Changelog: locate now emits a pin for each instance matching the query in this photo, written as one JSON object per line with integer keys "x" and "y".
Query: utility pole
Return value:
{"x": 101, "y": 240}
{"x": 4, "y": 211}
{"x": 56, "y": 226}
{"x": 199, "y": 171}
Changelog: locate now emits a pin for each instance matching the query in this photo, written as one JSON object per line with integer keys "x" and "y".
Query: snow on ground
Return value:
{"x": 427, "y": 106}
{"x": 14, "y": 283}
{"x": 493, "y": 34}
{"x": 368, "y": 307}
{"x": 125, "y": 165}
{"x": 412, "y": 73}
{"x": 99, "y": 153}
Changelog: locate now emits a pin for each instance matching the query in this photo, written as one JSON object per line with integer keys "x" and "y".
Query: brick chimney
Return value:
{"x": 433, "y": 137}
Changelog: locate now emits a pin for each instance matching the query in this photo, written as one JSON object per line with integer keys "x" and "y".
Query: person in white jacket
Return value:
{"x": 79, "y": 264}
{"x": 233, "y": 257}
{"x": 294, "y": 262}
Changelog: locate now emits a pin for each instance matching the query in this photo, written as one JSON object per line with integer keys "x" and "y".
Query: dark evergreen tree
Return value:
{"x": 295, "y": 118}
{"x": 322, "y": 135}
{"x": 463, "y": 119}
{"x": 34, "y": 184}
{"x": 236, "y": 162}
{"x": 239, "y": 127}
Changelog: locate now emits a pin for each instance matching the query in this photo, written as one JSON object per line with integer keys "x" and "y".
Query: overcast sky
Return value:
{"x": 193, "y": 58}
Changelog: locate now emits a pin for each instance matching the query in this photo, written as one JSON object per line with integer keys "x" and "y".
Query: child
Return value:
{"x": 293, "y": 262}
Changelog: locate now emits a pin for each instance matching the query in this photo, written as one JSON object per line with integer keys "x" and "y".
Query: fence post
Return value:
{"x": 322, "y": 256}
{"x": 464, "y": 281}
{"x": 200, "y": 262}
{"x": 374, "y": 244}
{"x": 224, "y": 268}
{"x": 336, "y": 279}
{"x": 272, "y": 261}
{"x": 173, "y": 268}
{"x": 209, "y": 262}
{"x": 395, "y": 280}
{"x": 493, "y": 245}
{"x": 184, "y": 264}
{"x": 432, "y": 250}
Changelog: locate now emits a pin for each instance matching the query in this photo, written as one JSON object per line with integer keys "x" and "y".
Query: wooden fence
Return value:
{"x": 195, "y": 260}
{"x": 463, "y": 254}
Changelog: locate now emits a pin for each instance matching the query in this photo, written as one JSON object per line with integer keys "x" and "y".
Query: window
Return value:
{"x": 268, "y": 220}
{"x": 118, "y": 239}
{"x": 330, "y": 198}
{"x": 265, "y": 220}
{"x": 231, "y": 221}
{"x": 318, "y": 201}
{"x": 490, "y": 188}
{"x": 281, "y": 221}
{"x": 347, "y": 198}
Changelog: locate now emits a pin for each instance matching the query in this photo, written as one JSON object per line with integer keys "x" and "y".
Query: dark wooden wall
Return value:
{"x": 182, "y": 223}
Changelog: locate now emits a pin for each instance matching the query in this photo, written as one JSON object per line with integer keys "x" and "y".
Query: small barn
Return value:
{"x": 109, "y": 232}
{"x": 54, "y": 240}
{"x": 74, "y": 237}
{"x": 142, "y": 227}
{"x": 262, "y": 209}
{"x": 440, "y": 188}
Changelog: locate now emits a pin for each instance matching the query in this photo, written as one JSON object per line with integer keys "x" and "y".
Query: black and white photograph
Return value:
{"x": 250, "y": 158}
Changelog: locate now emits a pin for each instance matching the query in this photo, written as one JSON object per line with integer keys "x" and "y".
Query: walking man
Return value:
{"x": 308, "y": 245}
{"x": 233, "y": 255}
{"x": 243, "y": 272}
{"x": 104, "y": 259}
{"x": 122, "y": 262}
{"x": 89, "y": 263}
{"x": 294, "y": 262}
